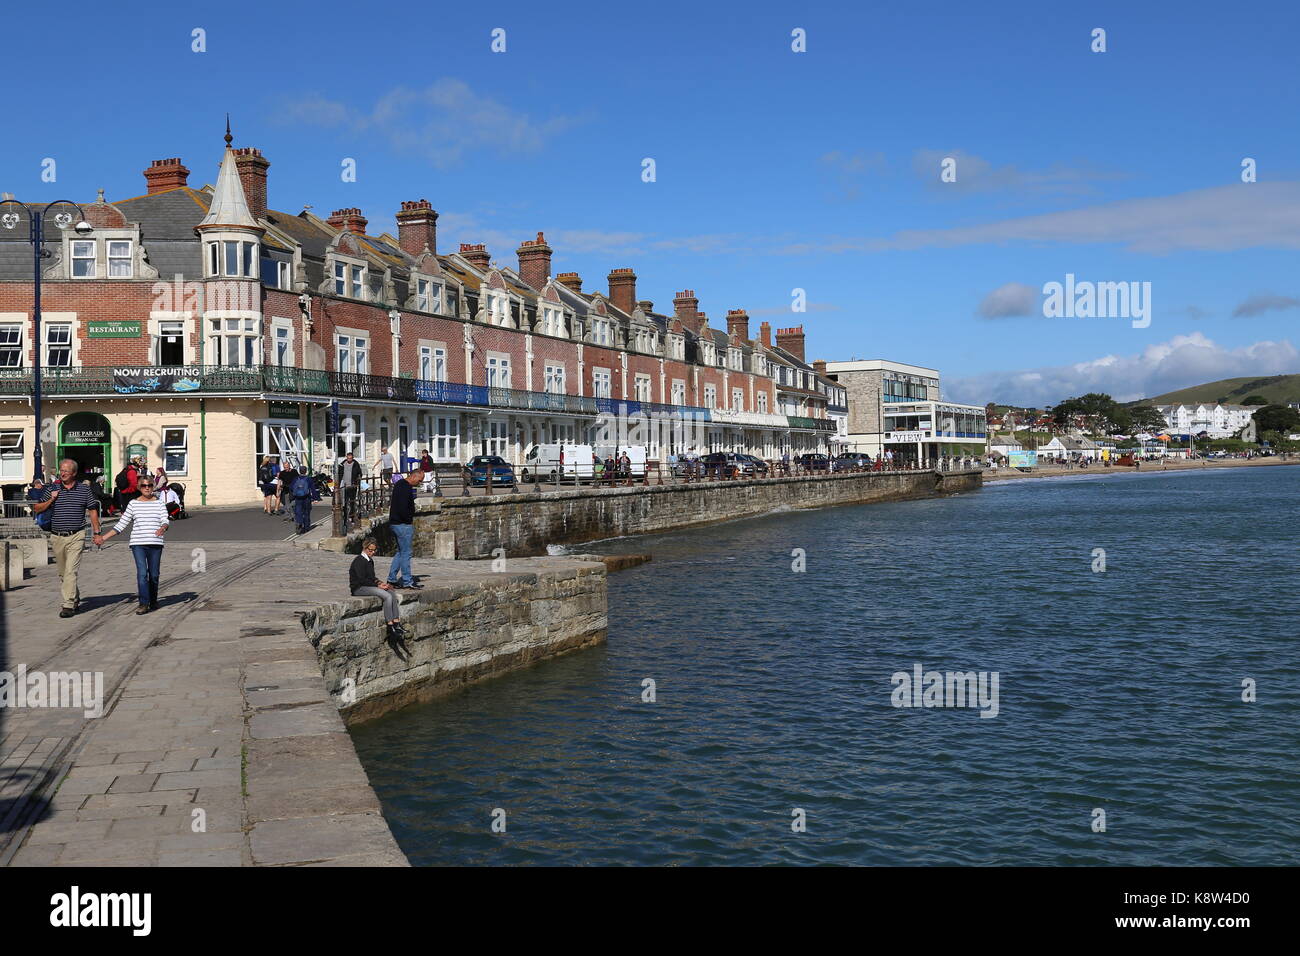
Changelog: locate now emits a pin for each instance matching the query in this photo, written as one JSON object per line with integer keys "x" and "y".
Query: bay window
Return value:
{"x": 233, "y": 342}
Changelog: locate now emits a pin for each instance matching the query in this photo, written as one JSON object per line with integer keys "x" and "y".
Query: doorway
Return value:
{"x": 86, "y": 438}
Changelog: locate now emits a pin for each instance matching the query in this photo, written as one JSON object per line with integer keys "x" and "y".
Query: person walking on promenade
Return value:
{"x": 266, "y": 483}
{"x": 124, "y": 485}
{"x": 34, "y": 494}
{"x": 285, "y": 478}
{"x": 304, "y": 493}
{"x": 69, "y": 502}
{"x": 146, "y": 516}
{"x": 401, "y": 520}
{"x": 430, "y": 476}
{"x": 386, "y": 464}
{"x": 363, "y": 582}
{"x": 349, "y": 480}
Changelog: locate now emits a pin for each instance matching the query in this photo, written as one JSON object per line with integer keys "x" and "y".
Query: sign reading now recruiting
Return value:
{"x": 154, "y": 379}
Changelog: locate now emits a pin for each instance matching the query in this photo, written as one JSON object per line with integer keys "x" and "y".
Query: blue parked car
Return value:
{"x": 476, "y": 471}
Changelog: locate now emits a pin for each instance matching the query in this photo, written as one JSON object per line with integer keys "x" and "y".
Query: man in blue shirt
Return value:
{"x": 401, "y": 520}
{"x": 68, "y": 502}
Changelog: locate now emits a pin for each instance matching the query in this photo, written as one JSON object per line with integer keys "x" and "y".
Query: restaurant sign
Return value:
{"x": 179, "y": 378}
{"x": 112, "y": 330}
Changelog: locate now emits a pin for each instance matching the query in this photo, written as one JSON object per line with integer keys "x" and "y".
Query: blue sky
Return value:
{"x": 775, "y": 170}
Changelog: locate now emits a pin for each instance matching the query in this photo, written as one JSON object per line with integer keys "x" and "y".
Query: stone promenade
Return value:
{"x": 218, "y": 745}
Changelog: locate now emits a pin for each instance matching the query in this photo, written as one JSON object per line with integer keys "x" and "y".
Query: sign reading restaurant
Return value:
{"x": 112, "y": 330}
{"x": 153, "y": 378}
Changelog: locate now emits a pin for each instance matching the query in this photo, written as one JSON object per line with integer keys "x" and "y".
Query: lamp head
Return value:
{"x": 83, "y": 228}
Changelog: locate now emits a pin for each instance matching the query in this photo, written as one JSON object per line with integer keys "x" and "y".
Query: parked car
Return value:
{"x": 815, "y": 462}
{"x": 853, "y": 459}
{"x": 757, "y": 466}
{"x": 478, "y": 467}
{"x": 721, "y": 463}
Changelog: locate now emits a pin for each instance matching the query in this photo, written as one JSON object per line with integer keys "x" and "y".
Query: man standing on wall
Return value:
{"x": 69, "y": 502}
{"x": 349, "y": 480}
{"x": 401, "y": 520}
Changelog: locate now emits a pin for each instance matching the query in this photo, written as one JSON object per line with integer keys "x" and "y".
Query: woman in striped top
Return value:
{"x": 147, "y": 518}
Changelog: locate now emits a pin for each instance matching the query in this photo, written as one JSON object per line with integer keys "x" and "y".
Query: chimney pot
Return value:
{"x": 534, "y": 261}
{"x": 417, "y": 227}
{"x": 349, "y": 219}
{"x": 791, "y": 340}
{"x": 252, "y": 166}
{"x": 165, "y": 174}
{"x": 622, "y": 289}
{"x": 476, "y": 254}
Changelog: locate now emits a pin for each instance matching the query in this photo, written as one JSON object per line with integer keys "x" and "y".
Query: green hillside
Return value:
{"x": 1278, "y": 389}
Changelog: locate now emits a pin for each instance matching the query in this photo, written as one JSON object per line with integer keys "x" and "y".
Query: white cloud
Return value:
{"x": 1258, "y": 304}
{"x": 1218, "y": 219}
{"x": 1182, "y": 361}
{"x": 976, "y": 175}
{"x": 443, "y": 122}
{"x": 1014, "y": 298}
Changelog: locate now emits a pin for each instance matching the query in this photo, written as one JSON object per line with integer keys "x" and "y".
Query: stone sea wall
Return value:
{"x": 525, "y": 523}
{"x": 470, "y": 622}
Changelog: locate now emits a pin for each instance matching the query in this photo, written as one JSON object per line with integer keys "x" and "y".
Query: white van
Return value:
{"x": 544, "y": 462}
{"x": 636, "y": 454}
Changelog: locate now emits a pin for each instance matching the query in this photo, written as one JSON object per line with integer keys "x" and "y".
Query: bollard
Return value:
{"x": 464, "y": 481}
{"x": 487, "y": 481}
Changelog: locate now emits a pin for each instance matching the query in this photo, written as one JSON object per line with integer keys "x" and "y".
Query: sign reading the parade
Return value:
{"x": 179, "y": 378}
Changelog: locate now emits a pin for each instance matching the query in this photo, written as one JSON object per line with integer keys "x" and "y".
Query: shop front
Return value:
{"x": 87, "y": 439}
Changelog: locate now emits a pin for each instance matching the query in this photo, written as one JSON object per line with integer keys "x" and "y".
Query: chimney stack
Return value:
{"x": 622, "y": 289}
{"x": 476, "y": 254}
{"x": 765, "y": 334}
{"x": 252, "y": 176}
{"x": 570, "y": 280}
{"x": 535, "y": 261}
{"x": 349, "y": 219}
{"x": 738, "y": 324}
{"x": 645, "y": 305}
{"x": 687, "y": 309}
{"x": 166, "y": 174}
{"x": 819, "y": 366}
{"x": 791, "y": 340}
{"x": 417, "y": 227}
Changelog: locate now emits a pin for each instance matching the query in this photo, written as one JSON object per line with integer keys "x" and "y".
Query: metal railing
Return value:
{"x": 351, "y": 507}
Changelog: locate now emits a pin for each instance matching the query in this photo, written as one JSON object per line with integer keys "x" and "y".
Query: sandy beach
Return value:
{"x": 1005, "y": 474}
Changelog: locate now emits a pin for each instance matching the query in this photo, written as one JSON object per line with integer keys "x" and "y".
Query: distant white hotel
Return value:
{"x": 1217, "y": 421}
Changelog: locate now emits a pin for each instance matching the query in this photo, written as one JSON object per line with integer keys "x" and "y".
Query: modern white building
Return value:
{"x": 1217, "y": 421}
{"x": 895, "y": 406}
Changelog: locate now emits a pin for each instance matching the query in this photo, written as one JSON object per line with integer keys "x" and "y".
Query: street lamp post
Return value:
{"x": 36, "y": 236}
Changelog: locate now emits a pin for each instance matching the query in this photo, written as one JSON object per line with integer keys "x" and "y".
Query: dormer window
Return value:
{"x": 119, "y": 258}
{"x": 83, "y": 258}
{"x": 600, "y": 332}
{"x": 350, "y": 280}
{"x": 428, "y": 295}
{"x": 552, "y": 321}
